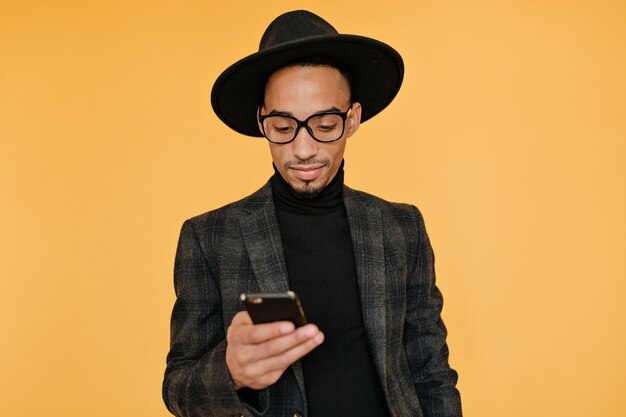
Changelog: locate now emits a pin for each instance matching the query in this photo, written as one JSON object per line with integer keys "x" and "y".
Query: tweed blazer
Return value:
{"x": 238, "y": 248}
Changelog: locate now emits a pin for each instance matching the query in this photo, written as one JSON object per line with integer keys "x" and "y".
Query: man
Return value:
{"x": 363, "y": 267}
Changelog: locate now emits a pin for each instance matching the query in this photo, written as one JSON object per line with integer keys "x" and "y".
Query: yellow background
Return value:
{"x": 509, "y": 133}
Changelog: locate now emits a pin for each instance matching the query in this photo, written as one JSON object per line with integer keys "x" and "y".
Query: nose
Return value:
{"x": 304, "y": 146}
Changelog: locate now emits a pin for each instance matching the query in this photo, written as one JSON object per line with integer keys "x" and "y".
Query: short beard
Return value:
{"x": 307, "y": 192}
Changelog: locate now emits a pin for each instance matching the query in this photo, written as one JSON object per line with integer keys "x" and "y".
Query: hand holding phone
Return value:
{"x": 260, "y": 346}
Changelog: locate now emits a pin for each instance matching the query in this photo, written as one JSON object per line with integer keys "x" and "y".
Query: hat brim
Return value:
{"x": 377, "y": 71}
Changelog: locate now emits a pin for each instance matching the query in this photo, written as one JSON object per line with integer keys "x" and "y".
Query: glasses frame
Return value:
{"x": 304, "y": 123}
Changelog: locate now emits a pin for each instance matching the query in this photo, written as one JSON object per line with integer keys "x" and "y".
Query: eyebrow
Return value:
{"x": 275, "y": 112}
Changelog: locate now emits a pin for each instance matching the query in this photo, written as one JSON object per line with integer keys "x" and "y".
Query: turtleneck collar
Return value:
{"x": 328, "y": 200}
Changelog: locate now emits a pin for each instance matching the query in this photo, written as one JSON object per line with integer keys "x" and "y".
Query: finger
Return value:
{"x": 238, "y": 325}
{"x": 241, "y": 318}
{"x": 260, "y": 333}
{"x": 250, "y": 354}
{"x": 250, "y": 367}
{"x": 279, "y": 363}
{"x": 279, "y": 345}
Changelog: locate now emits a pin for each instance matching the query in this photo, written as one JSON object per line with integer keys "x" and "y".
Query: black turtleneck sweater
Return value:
{"x": 340, "y": 375}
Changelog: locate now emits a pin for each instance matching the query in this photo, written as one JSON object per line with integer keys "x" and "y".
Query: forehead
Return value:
{"x": 298, "y": 86}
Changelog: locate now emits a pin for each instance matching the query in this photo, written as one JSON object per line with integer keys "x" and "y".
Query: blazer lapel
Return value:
{"x": 261, "y": 235}
{"x": 369, "y": 254}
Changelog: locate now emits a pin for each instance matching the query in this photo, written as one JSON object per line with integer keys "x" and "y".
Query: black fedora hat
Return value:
{"x": 376, "y": 68}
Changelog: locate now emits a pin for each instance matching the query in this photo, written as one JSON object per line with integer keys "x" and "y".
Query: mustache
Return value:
{"x": 307, "y": 162}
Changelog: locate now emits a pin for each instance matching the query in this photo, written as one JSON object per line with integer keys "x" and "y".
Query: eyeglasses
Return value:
{"x": 323, "y": 127}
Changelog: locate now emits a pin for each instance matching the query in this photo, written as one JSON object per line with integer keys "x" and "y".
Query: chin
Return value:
{"x": 307, "y": 189}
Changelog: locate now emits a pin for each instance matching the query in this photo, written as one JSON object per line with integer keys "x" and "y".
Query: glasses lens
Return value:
{"x": 326, "y": 127}
{"x": 279, "y": 128}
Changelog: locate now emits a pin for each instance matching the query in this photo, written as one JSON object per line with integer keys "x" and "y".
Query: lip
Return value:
{"x": 307, "y": 172}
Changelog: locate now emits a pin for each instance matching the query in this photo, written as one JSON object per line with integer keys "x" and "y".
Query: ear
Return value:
{"x": 354, "y": 120}
{"x": 259, "y": 111}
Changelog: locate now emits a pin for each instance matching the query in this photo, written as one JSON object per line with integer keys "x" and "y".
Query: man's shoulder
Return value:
{"x": 233, "y": 211}
{"x": 362, "y": 197}
{"x": 399, "y": 220}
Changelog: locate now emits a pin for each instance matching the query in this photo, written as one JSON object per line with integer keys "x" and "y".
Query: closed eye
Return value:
{"x": 285, "y": 129}
{"x": 326, "y": 128}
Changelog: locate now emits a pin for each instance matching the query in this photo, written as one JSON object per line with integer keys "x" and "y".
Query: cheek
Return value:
{"x": 278, "y": 154}
{"x": 337, "y": 152}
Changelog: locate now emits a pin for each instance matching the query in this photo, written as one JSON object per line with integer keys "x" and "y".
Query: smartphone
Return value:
{"x": 266, "y": 308}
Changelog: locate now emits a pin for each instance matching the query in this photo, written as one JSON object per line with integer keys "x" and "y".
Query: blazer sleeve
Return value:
{"x": 197, "y": 382}
{"x": 425, "y": 335}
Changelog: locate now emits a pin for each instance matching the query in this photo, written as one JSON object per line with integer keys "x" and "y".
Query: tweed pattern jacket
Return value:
{"x": 238, "y": 248}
